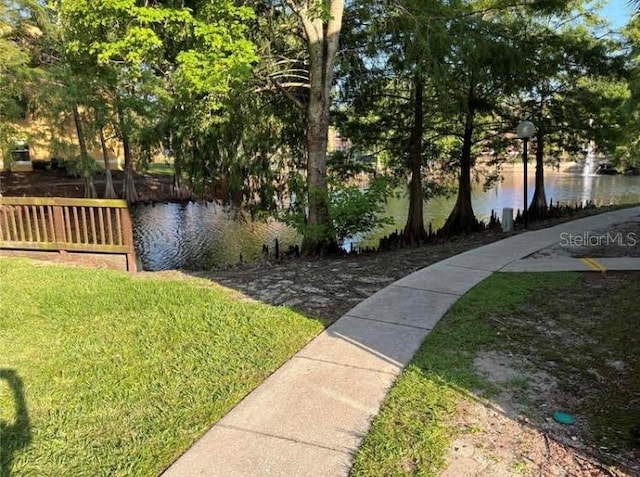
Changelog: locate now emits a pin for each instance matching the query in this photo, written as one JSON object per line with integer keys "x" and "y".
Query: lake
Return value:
{"x": 197, "y": 236}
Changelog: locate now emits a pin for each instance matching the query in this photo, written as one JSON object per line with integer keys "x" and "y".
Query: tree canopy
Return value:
{"x": 241, "y": 96}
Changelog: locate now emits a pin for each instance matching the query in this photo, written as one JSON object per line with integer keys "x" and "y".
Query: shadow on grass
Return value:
{"x": 14, "y": 435}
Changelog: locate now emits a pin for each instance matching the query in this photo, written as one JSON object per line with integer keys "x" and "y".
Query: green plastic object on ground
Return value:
{"x": 564, "y": 417}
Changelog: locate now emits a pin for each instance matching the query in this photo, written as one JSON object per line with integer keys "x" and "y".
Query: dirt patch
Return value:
{"x": 619, "y": 240}
{"x": 566, "y": 351}
{"x": 494, "y": 444}
{"x": 522, "y": 387}
{"x": 328, "y": 288}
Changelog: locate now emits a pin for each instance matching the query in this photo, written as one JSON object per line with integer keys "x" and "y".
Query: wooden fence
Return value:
{"x": 52, "y": 224}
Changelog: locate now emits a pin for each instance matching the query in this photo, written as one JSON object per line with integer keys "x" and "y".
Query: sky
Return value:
{"x": 618, "y": 12}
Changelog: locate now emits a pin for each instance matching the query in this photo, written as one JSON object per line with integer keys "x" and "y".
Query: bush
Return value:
{"x": 353, "y": 210}
{"x": 79, "y": 168}
{"x": 356, "y": 210}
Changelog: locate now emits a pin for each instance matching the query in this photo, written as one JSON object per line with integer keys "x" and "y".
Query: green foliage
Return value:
{"x": 575, "y": 82}
{"x": 626, "y": 118}
{"x": 81, "y": 167}
{"x": 295, "y": 215}
{"x": 130, "y": 67}
{"x": 62, "y": 149}
{"x": 352, "y": 209}
{"x": 6, "y": 148}
{"x": 343, "y": 166}
{"x": 19, "y": 32}
{"x": 223, "y": 54}
{"x": 355, "y": 210}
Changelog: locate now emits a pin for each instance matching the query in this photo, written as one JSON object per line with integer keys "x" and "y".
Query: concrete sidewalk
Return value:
{"x": 308, "y": 418}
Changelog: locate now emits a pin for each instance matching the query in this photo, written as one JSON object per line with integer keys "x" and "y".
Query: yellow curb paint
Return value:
{"x": 598, "y": 264}
{"x": 593, "y": 263}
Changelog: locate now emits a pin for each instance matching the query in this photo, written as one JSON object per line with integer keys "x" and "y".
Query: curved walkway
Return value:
{"x": 308, "y": 418}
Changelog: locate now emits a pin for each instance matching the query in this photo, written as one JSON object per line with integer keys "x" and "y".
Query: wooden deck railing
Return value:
{"x": 67, "y": 225}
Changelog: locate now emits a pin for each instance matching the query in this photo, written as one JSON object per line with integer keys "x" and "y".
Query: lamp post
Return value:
{"x": 525, "y": 130}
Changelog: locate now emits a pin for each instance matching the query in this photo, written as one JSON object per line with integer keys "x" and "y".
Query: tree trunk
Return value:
{"x": 462, "y": 219}
{"x": 129, "y": 192}
{"x": 109, "y": 191}
{"x": 322, "y": 35}
{"x": 539, "y": 208}
{"x": 87, "y": 175}
{"x": 180, "y": 190}
{"x": 414, "y": 228}
{"x": 129, "y": 187}
{"x": 319, "y": 233}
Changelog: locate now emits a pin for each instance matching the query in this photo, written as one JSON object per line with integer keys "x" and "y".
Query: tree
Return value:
{"x": 19, "y": 29}
{"x": 129, "y": 42}
{"x": 89, "y": 188}
{"x": 321, "y": 24}
{"x": 482, "y": 69}
{"x": 100, "y": 113}
{"x": 623, "y": 140}
{"x": 573, "y": 80}
{"x": 66, "y": 89}
{"x": 388, "y": 81}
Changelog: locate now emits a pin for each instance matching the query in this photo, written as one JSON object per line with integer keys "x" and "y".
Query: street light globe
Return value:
{"x": 525, "y": 130}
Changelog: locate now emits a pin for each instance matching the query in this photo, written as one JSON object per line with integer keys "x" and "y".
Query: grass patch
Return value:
{"x": 102, "y": 373}
{"x": 410, "y": 436}
{"x": 160, "y": 169}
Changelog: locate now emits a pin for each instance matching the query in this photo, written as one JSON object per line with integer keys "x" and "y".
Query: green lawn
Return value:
{"x": 102, "y": 373}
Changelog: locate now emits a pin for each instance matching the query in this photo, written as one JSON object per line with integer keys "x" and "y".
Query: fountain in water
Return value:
{"x": 590, "y": 161}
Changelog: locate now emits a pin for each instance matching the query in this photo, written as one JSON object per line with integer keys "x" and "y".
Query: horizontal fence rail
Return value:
{"x": 73, "y": 225}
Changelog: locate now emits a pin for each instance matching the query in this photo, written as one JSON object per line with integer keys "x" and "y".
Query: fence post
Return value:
{"x": 127, "y": 236}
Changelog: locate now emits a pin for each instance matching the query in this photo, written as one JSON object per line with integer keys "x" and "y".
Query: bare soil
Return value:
{"x": 619, "y": 240}
{"x": 328, "y": 287}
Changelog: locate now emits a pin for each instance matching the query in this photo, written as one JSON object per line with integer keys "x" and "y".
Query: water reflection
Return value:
{"x": 198, "y": 236}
